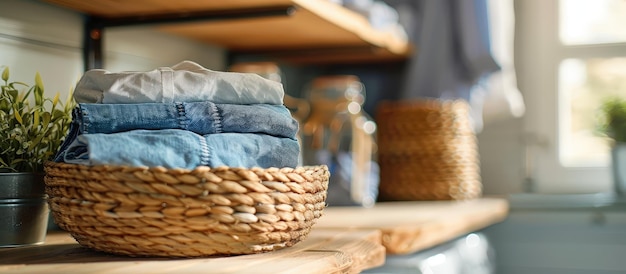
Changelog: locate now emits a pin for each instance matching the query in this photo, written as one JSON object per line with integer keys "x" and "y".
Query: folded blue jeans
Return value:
{"x": 199, "y": 117}
{"x": 175, "y": 148}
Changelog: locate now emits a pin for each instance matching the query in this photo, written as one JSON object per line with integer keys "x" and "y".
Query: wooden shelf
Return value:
{"x": 317, "y": 32}
{"x": 344, "y": 240}
{"x": 324, "y": 251}
{"x": 408, "y": 227}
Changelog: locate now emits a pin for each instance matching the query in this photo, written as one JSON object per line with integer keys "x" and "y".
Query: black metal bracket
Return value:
{"x": 92, "y": 44}
{"x": 94, "y": 27}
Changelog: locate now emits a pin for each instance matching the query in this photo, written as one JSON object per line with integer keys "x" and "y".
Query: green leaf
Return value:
{"x": 58, "y": 114}
{"x": 55, "y": 100}
{"x": 46, "y": 118}
{"x": 38, "y": 96}
{"x": 5, "y": 74}
{"x": 13, "y": 93}
{"x": 36, "y": 117}
{"x": 35, "y": 142}
{"x": 38, "y": 82}
{"x": 17, "y": 115}
{"x": 12, "y": 84}
{"x": 24, "y": 96}
{"x": 4, "y": 106}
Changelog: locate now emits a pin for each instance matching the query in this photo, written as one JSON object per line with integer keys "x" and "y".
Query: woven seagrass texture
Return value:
{"x": 427, "y": 150}
{"x": 185, "y": 213}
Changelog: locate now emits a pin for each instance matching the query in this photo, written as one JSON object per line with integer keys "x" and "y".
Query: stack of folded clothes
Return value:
{"x": 180, "y": 117}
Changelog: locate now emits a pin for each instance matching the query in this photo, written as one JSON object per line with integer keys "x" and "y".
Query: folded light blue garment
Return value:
{"x": 199, "y": 117}
{"x": 175, "y": 148}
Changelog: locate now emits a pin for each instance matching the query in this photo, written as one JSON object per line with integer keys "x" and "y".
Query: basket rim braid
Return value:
{"x": 154, "y": 211}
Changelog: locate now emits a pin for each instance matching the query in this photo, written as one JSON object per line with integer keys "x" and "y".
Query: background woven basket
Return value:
{"x": 427, "y": 150}
{"x": 185, "y": 213}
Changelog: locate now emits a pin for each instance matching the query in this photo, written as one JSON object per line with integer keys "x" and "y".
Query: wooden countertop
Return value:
{"x": 345, "y": 240}
{"x": 324, "y": 251}
{"x": 408, "y": 227}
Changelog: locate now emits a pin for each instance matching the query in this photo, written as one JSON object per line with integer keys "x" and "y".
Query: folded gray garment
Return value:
{"x": 199, "y": 117}
{"x": 184, "y": 82}
{"x": 174, "y": 148}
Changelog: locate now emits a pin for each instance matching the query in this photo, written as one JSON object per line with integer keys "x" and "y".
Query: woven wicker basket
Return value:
{"x": 427, "y": 150}
{"x": 185, "y": 213}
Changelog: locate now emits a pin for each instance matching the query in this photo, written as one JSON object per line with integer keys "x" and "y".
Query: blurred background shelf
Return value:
{"x": 296, "y": 31}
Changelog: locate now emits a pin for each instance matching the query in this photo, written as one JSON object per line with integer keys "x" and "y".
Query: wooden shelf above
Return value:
{"x": 317, "y": 32}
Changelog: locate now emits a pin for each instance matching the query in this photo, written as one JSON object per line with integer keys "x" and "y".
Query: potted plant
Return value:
{"x": 613, "y": 125}
{"x": 32, "y": 128}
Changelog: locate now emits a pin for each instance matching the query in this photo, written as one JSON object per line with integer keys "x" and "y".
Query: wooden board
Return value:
{"x": 320, "y": 28}
{"x": 408, "y": 227}
{"x": 324, "y": 251}
{"x": 345, "y": 240}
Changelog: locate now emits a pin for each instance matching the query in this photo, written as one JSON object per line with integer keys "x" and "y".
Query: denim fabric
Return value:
{"x": 72, "y": 134}
{"x": 184, "y": 82}
{"x": 198, "y": 117}
{"x": 174, "y": 148}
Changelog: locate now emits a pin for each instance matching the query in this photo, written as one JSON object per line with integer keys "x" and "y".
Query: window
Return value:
{"x": 571, "y": 57}
{"x": 583, "y": 86}
{"x": 586, "y": 22}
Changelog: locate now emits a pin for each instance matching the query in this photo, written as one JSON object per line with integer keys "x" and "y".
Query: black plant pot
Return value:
{"x": 23, "y": 209}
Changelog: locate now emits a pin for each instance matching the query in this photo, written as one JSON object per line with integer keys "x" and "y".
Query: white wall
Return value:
{"x": 38, "y": 37}
{"x": 501, "y": 149}
{"x": 502, "y": 144}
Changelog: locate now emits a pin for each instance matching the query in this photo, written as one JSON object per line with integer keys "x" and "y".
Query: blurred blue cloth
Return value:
{"x": 198, "y": 117}
{"x": 454, "y": 49}
{"x": 175, "y": 148}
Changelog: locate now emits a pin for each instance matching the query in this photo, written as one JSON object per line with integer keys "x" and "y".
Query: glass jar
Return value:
{"x": 338, "y": 133}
